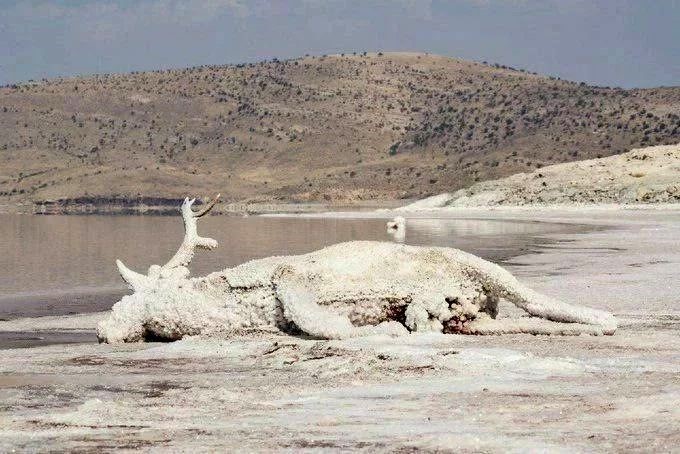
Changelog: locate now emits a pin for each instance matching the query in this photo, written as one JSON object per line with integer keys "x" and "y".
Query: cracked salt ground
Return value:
{"x": 431, "y": 391}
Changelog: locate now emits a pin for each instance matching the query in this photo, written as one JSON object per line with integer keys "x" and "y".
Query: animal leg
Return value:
{"x": 501, "y": 283}
{"x": 300, "y": 307}
{"x": 529, "y": 325}
{"x": 543, "y": 306}
{"x": 418, "y": 318}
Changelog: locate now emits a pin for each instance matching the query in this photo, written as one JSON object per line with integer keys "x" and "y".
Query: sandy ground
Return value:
{"x": 268, "y": 392}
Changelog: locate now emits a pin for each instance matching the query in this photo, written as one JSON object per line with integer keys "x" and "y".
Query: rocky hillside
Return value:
{"x": 334, "y": 128}
{"x": 645, "y": 175}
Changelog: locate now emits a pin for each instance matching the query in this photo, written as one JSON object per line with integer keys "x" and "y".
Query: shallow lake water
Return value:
{"x": 55, "y": 265}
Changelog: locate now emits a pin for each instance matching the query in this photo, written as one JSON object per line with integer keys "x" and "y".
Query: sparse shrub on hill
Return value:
{"x": 451, "y": 122}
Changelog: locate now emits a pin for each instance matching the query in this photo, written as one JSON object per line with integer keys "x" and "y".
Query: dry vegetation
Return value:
{"x": 334, "y": 128}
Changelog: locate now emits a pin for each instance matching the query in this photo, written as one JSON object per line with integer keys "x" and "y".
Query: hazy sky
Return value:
{"x": 607, "y": 42}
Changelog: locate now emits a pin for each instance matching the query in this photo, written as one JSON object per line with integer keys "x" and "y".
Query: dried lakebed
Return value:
{"x": 433, "y": 392}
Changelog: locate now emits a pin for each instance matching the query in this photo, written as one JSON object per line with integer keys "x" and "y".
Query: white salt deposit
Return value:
{"x": 346, "y": 290}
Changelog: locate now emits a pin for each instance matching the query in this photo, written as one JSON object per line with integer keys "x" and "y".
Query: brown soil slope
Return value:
{"x": 335, "y": 128}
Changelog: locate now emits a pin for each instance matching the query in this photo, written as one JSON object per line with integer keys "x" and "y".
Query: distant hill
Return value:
{"x": 335, "y": 128}
{"x": 649, "y": 175}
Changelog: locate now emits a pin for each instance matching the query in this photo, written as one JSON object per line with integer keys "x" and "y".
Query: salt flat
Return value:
{"x": 270, "y": 392}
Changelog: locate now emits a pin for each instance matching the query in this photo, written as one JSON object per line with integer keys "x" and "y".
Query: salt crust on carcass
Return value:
{"x": 346, "y": 290}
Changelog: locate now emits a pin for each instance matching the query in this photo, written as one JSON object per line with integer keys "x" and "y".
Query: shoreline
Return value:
{"x": 60, "y": 302}
{"x": 170, "y": 207}
{"x": 305, "y": 208}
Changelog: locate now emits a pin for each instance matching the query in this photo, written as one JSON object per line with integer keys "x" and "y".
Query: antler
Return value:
{"x": 134, "y": 280}
{"x": 191, "y": 240}
{"x": 209, "y": 206}
{"x": 183, "y": 255}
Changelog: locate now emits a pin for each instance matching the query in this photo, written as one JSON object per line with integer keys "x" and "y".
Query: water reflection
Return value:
{"x": 61, "y": 264}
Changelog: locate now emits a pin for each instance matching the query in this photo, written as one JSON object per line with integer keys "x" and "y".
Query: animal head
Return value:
{"x": 166, "y": 284}
{"x": 176, "y": 269}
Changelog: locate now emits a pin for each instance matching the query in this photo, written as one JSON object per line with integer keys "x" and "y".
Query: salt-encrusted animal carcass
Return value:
{"x": 346, "y": 290}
